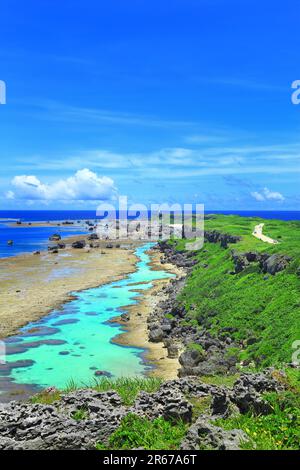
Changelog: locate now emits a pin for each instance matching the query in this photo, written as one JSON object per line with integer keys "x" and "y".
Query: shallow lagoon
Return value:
{"x": 75, "y": 341}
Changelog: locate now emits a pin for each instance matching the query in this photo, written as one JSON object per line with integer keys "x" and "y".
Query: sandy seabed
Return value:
{"x": 33, "y": 285}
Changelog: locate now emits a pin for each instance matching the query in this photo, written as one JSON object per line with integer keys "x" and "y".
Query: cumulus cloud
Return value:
{"x": 257, "y": 196}
{"x": 268, "y": 195}
{"x": 275, "y": 195}
{"x": 84, "y": 185}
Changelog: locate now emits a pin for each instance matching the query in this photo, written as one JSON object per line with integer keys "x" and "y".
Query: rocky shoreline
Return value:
{"x": 27, "y": 426}
{"x": 203, "y": 354}
{"x": 167, "y": 324}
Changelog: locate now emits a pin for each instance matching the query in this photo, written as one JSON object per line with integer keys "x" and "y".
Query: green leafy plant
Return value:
{"x": 128, "y": 388}
{"x": 196, "y": 347}
{"x": 80, "y": 414}
{"x": 135, "y": 432}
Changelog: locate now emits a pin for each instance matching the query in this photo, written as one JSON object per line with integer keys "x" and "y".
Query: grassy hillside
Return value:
{"x": 263, "y": 311}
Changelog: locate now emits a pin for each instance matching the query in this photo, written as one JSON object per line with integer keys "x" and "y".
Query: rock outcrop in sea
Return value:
{"x": 79, "y": 244}
{"x": 54, "y": 238}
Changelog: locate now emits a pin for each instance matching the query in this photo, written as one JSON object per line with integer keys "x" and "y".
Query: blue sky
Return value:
{"x": 162, "y": 101}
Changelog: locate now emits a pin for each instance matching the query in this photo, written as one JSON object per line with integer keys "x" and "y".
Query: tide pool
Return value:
{"x": 74, "y": 342}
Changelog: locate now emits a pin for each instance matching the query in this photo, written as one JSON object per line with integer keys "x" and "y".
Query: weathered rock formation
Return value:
{"x": 224, "y": 239}
{"x": 79, "y": 244}
{"x": 205, "y": 435}
{"x": 55, "y": 237}
{"x": 93, "y": 236}
{"x": 271, "y": 264}
{"x": 80, "y": 419}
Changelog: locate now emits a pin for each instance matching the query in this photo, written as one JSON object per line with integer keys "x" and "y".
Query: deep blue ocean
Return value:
{"x": 45, "y": 215}
{"x": 36, "y": 238}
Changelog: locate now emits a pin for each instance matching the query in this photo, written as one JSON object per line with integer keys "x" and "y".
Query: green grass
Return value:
{"x": 219, "y": 380}
{"x": 196, "y": 347}
{"x": 200, "y": 406}
{"x": 71, "y": 386}
{"x": 80, "y": 414}
{"x": 127, "y": 388}
{"x": 135, "y": 432}
{"x": 169, "y": 316}
{"x": 287, "y": 233}
{"x": 267, "y": 310}
{"x": 46, "y": 398}
{"x": 292, "y": 380}
{"x": 279, "y": 430}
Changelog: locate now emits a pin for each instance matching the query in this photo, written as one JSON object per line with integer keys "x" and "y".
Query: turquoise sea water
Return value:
{"x": 74, "y": 342}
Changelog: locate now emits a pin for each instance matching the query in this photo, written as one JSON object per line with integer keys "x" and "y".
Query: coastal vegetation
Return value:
{"x": 136, "y": 432}
{"x": 278, "y": 430}
{"x": 127, "y": 388}
{"x": 261, "y": 311}
{"x": 226, "y": 295}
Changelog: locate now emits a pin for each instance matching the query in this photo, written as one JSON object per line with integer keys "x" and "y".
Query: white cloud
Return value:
{"x": 182, "y": 161}
{"x": 273, "y": 195}
{"x": 258, "y": 196}
{"x": 268, "y": 195}
{"x": 84, "y": 185}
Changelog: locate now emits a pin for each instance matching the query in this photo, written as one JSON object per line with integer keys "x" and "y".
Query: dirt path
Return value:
{"x": 257, "y": 233}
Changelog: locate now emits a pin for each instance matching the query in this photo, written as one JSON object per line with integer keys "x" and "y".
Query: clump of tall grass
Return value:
{"x": 46, "y": 397}
{"x": 128, "y": 388}
{"x": 135, "y": 431}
